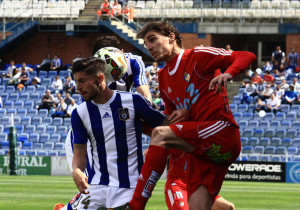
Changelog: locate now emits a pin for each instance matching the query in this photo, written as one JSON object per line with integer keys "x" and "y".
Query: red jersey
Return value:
{"x": 185, "y": 79}
{"x": 177, "y": 165}
{"x": 268, "y": 78}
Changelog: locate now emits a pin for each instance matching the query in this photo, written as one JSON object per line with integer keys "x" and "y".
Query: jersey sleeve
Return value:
{"x": 209, "y": 59}
{"x": 144, "y": 110}
{"x": 79, "y": 131}
{"x": 138, "y": 71}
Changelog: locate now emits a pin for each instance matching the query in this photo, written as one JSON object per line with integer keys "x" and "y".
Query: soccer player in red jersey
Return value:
{"x": 211, "y": 136}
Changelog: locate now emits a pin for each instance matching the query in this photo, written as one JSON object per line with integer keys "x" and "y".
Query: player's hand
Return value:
{"x": 220, "y": 81}
{"x": 180, "y": 115}
{"x": 80, "y": 180}
{"x": 145, "y": 152}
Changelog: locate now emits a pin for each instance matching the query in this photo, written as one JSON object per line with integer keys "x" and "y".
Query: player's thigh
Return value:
{"x": 176, "y": 196}
{"x": 93, "y": 200}
{"x": 200, "y": 199}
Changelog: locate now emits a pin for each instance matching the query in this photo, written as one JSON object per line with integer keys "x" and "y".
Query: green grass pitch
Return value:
{"x": 42, "y": 192}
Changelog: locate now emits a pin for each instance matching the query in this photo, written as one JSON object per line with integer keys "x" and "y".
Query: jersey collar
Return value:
{"x": 173, "y": 71}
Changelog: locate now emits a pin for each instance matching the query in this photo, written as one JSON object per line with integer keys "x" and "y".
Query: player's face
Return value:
{"x": 86, "y": 85}
{"x": 158, "y": 45}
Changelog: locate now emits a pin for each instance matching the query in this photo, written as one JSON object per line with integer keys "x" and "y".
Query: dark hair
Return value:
{"x": 162, "y": 27}
{"x": 105, "y": 41}
{"x": 91, "y": 66}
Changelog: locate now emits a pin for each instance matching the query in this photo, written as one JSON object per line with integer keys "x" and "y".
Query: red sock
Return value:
{"x": 152, "y": 169}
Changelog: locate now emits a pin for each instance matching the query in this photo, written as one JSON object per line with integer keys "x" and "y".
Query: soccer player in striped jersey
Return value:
{"x": 111, "y": 120}
{"x": 211, "y": 136}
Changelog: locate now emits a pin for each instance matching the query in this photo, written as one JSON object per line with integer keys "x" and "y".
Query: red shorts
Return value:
{"x": 217, "y": 146}
{"x": 176, "y": 195}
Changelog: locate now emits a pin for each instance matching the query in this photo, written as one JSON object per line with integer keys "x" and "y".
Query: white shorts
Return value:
{"x": 103, "y": 196}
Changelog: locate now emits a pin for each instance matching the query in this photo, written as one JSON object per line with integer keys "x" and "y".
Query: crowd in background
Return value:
{"x": 115, "y": 9}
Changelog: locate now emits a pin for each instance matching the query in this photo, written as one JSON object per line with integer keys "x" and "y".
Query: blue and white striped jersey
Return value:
{"x": 115, "y": 132}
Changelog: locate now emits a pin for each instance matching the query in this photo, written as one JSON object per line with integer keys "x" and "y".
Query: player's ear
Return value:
{"x": 171, "y": 37}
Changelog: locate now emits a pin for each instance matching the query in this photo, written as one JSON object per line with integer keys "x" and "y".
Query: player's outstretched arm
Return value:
{"x": 145, "y": 91}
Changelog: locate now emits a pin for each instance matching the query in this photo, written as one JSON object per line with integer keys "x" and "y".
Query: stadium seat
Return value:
{"x": 3, "y": 137}
{"x": 26, "y": 120}
{"x": 280, "y": 150}
{"x": 292, "y": 150}
{"x": 265, "y": 158}
{"x": 242, "y": 108}
{"x": 233, "y": 107}
{"x": 275, "y": 142}
{"x": 49, "y": 146}
{"x": 4, "y": 145}
{"x": 46, "y": 82}
{"x": 52, "y": 74}
{"x": 269, "y": 117}
{"x": 23, "y": 137}
{"x": 275, "y": 125}
{"x": 259, "y": 150}
{"x": 288, "y": 159}
{"x": 67, "y": 122}
{"x": 286, "y": 142}
{"x": 24, "y": 97}
{"x": 10, "y": 89}
{"x": 292, "y": 133}
{"x": 292, "y": 116}
{"x": 51, "y": 129}
{"x": 21, "y": 112}
{"x": 36, "y": 121}
{"x": 40, "y": 129}
{"x": 6, "y": 121}
{"x": 53, "y": 153}
{"x": 285, "y": 108}
{"x": 13, "y": 97}
{"x": 77, "y": 98}
{"x": 30, "y": 89}
{"x": 1, "y": 129}
{"x": 54, "y": 137}
{"x": 248, "y": 133}
{"x": 285, "y": 124}
{"x": 253, "y": 141}
{"x": 236, "y": 100}
{"x": 28, "y": 105}
{"x": 10, "y": 112}
{"x": 296, "y": 158}
{"x": 264, "y": 141}
{"x": 247, "y": 150}
{"x": 8, "y": 104}
{"x": 4, "y": 97}
{"x": 27, "y": 146}
{"x": 19, "y": 128}
{"x": 42, "y": 113}
{"x": 247, "y": 116}
{"x": 2, "y": 112}
{"x": 280, "y": 133}
{"x": 38, "y": 146}
{"x": 296, "y": 125}
{"x": 34, "y": 137}
{"x": 41, "y": 90}
{"x": 244, "y": 141}
{"x": 31, "y": 152}
{"x": 35, "y": 97}
{"x": 57, "y": 121}
{"x": 59, "y": 146}
{"x": 276, "y": 158}
{"x": 270, "y": 150}
{"x": 237, "y": 116}
{"x": 62, "y": 129}
{"x": 253, "y": 124}
{"x": 43, "y": 74}
{"x": 295, "y": 108}
{"x": 44, "y": 137}
{"x": 42, "y": 153}
{"x": 243, "y": 124}
{"x": 30, "y": 129}
{"x": 258, "y": 133}
{"x": 32, "y": 113}
{"x": 63, "y": 137}
{"x": 2, "y": 88}
{"x": 264, "y": 125}
{"x": 47, "y": 120}
{"x": 253, "y": 158}
{"x": 296, "y": 142}
{"x": 63, "y": 74}
{"x": 22, "y": 152}
{"x": 62, "y": 153}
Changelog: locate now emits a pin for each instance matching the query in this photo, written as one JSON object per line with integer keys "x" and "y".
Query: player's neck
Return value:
{"x": 103, "y": 96}
{"x": 176, "y": 50}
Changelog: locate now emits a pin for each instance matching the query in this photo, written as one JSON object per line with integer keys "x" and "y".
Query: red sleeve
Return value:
{"x": 169, "y": 105}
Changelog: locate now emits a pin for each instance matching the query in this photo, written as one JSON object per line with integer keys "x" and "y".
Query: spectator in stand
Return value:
{"x": 292, "y": 59}
{"x": 260, "y": 87}
{"x": 117, "y": 9}
{"x": 28, "y": 69}
{"x": 61, "y": 109}
{"x": 296, "y": 85}
{"x": 255, "y": 78}
{"x": 35, "y": 82}
{"x": 281, "y": 69}
{"x": 24, "y": 78}
{"x": 56, "y": 63}
{"x": 228, "y": 48}
{"x": 268, "y": 77}
{"x": 279, "y": 93}
{"x": 105, "y": 6}
{"x": 46, "y": 63}
{"x": 57, "y": 85}
{"x": 260, "y": 105}
{"x": 249, "y": 91}
{"x": 290, "y": 97}
{"x": 157, "y": 100}
{"x": 148, "y": 76}
{"x": 9, "y": 70}
{"x": 267, "y": 66}
{"x": 247, "y": 79}
{"x": 275, "y": 66}
{"x": 68, "y": 99}
{"x": 284, "y": 85}
{"x": 70, "y": 85}
{"x": 153, "y": 69}
{"x": 273, "y": 85}
{"x": 267, "y": 92}
{"x": 57, "y": 99}
{"x": 14, "y": 77}
{"x": 47, "y": 101}
{"x": 278, "y": 56}
{"x": 71, "y": 107}
{"x": 273, "y": 104}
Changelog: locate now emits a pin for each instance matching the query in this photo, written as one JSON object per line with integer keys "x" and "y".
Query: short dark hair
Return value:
{"x": 162, "y": 27}
{"x": 105, "y": 41}
{"x": 90, "y": 66}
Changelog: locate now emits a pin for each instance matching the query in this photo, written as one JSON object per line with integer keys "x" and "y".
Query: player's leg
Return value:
{"x": 162, "y": 138}
{"x": 200, "y": 199}
{"x": 176, "y": 195}
{"x": 222, "y": 204}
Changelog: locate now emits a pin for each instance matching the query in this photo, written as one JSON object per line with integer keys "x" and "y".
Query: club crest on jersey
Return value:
{"x": 123, "y": 114}
{"x": 186, "y": 76}
{"x": 181, "y": 204}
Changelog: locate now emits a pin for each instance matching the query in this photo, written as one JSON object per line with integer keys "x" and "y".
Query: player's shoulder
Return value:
{"x": 210, "y": 50}
{"x": 81, "y": 107}
{"x": 132, "y": 56}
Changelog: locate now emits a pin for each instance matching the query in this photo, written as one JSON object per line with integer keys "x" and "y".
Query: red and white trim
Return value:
{"x": 212, "y": 50}
{"x": 211, "y": 130}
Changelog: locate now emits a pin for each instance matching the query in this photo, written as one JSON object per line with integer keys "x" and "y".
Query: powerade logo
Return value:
{"x": 294, "y": 173}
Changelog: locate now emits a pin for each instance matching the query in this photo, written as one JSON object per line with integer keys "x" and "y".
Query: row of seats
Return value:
{"x": 238, "y": 116}
{"x": 220, "y": 13}
{"x": 160, "y": 4}
{"x": 36, "y": 153}
{"x": 9, "y": 94}
{"x": 270, "y": 133}
{"x": 27, "y": 114}
{"x": 40, "y": 13}
{"x": 264, "y": 141}
{"x": 35, "y": 138}
{"x": 270, "y": 150}
{"x": 35, "y": 146}
{"x": 40, "y": 129}
{"x": 268, "y": 158}
{"x": 35, "y": 121}
{"x": 253, "y": 124}
{"x": 42, "y": 74}
{"x": 242, "y": 108}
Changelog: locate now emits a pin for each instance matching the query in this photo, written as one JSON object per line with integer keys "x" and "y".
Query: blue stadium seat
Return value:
{"x": 286, "y": 142}
{"x": 248, "y": 133}
{"x": 289, "y": 159}
{"x": 63, "y": 74}
{"x": 4, "y": 97}
{"x": 19, "y": 105}
{"x": 49, "y": 146}
{"x": 244, "y": 141}
{"x": 242, "y": 108}
{"x": 31, "y": 152}
{"x": 2, "y": 112}
{"x": 253, "y": 141}
{"x": 6, "y": 121}
{"x": 266, "y": 158}
{"x": 296, "y": 158}
{"x": 264, "y": 125}
{"x": 59, "y": 146}
{"x": 57, "y": 121}
{"x": 233, "y": 107}
{"x": 280, "y": 133}
{"x": 258, "y": 133}
{"x": 22, "y": 152}
{"x": 280, "y": 150}
{"x": 63, "y": 137}
{"x": 30, "y": 89}
{"x": 291, "y": 116}
{"x": 280, "y": 116}
{"x": 34, "y": 137}
{"x": 53, "y": 153}
{"x": 2, "y": 152}
{"x": 44, "y": 137}
{"x": 247, "y": 150}
{"x": 43, "y": 74}
{"x": 32, "y": 113}
{"x": 43, "y": 113}
{"x": 27, "y": 146}
{"x": 253, "y": 124}
{"x": 62, "y": 153}
{"x": 296, "y": 125}
{"x": 2, "y": 88}
{"x": 237, "y": 116}
{"x": 40, "y": 129}
{"x": 41, "y": 90}
{"x": 52, "y": 74}
{"x": 264, "y": 141}
{"x": 1, "y": 129}
{"x": 28, "y": 105}
{"x": 256, "y": 117}
{"x": 51, "y": 129}
{"x": 9, "y": 112}
{"x": 292, "y": 150}
{"x": 259, "y": 149}
{"x": 292, "y": 133}
{"x": 23, "y": 137}
{"x": 36, "y": 121}
{"x": 24, "y": 97}
{"x": 275, "y": 142}
{"x": 62, "y": 129}
{"x": 55, "y": 137}
{"x": 276, "y": 159}
{"x": 285, "y": 124}
{"x": 275, "y": 125}
{"x": 285, "y": 108}
{"x": 26, "y": 120}
{"x": 253, "y": 158}
{"x": 4, "y": 145}
{"x": 247, "y": 116}
{"x": 22, "y": 112}
{"x": 67, "y": 122}
{"x": 38, "y": 146}
{"x": 77, "y": 98}
{"x": 30, "y": 129}
{"x": 10, "y": 89}
{"x": 13, "y": 97}
{"x": 269, "y": 116}
{"x": 243, "y": 124}
{"x": 46, "y": 82}
{"x": 19, "y": 128}
{"x": 47, "y": 120}
{"x": 42, "y": 153}
{"x": 296, "y": 142}
{"x": 8, "y": 104}
{"x": 35, "y": 97}
{"x": 3, "y": 137}
{"x": 270, "y": 150}
{"x": 295, "y": 108}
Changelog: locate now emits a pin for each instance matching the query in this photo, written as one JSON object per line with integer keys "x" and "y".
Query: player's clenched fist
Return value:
{"x": 80, "y": 180}
{"x": 220, "y": 81}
